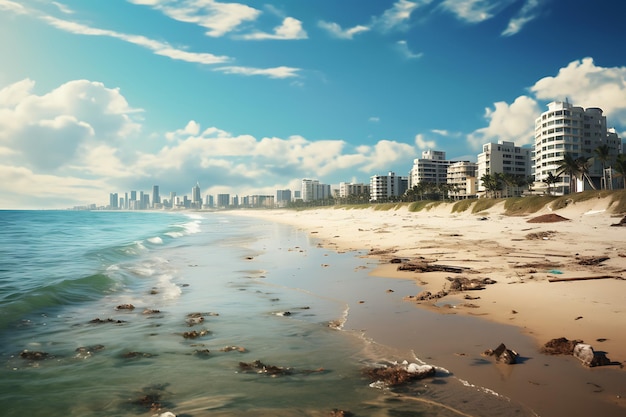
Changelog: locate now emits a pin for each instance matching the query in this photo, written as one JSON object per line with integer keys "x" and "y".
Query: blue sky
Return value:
{"x": 248, "y": 97}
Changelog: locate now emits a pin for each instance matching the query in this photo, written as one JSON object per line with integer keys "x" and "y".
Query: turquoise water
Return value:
{"x": 266, "y": 289}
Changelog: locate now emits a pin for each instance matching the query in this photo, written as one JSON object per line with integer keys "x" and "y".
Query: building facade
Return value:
{"x": 431, "y": 168}
{"x": 386, "y": 187}
{"x": 347, "y": 189}
{"x": 462, "y": 179}
{"x": 568, "y": 129}
{"x": 505, "y": 158}
{"x": 312, "y": 190}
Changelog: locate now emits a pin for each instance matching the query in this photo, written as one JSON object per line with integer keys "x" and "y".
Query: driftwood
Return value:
{"x": 427, "y": 267}
{"x": 583, "y": 278}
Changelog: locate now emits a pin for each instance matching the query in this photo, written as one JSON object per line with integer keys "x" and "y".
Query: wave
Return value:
{"x": 56, "y": 294}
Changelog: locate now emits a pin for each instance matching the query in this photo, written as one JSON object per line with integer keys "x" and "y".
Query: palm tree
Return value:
{"x": 620, "y": 167}
{"x": 550, "y": 180}
{"x": 603, "y": 153}
{"x": 491, "y": 183}
{"x": 583, "y": 169}
{"x": 569, "y": 166}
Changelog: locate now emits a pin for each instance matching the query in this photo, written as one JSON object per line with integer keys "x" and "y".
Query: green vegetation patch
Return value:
{"x": 483, "y": 204}
{"x": 387, "y": 206}
{"x": 423, "y": 205}
{"x": 462, "y": 205}
{"x": 517, "y": 206}
{"x": 566, "y": 200}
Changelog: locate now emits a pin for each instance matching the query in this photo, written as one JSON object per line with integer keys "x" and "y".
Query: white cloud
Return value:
{"x": 475, "y": 11}
{"x": 49, "y": 131}
{"x": 338, "y": 32}
{"x": 397, "y": 16}
{"x": 159, "y": 48}
{"x": 219, "y": 18}
{"x": 276, "y": 72}
{"x": 424, "y": 144}
{"x": 526, "y": 14}
{"x": 441, "y": 132}
{"x": 515, "y": 123}
{"x": 403, "y": 47}
{"x": 374, "y": 119}
{"x": 12, "y": 7}
{"x": 63, "y": 8}
{"x": 290, "y": 29}
{"x": 585, "y": 84}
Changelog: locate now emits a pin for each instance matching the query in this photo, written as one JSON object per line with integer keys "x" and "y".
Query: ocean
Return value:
{"x": 143, "y": 313}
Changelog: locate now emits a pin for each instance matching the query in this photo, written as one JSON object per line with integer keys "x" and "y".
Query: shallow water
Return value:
{"x": 62, "y": 270}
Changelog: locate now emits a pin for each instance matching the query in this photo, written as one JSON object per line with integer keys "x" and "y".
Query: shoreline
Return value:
{"x": 521, "y": 258}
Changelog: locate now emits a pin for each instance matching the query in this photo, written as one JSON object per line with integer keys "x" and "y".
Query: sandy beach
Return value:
{"x": 548, "y": 280}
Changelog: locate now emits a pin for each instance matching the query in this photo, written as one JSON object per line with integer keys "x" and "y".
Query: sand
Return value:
{"x": 549, "y": 283}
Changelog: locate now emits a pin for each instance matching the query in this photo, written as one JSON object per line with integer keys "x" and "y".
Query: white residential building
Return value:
{"x": 462, "y": 179}
{"x": 347, "y": 189}
{"x": 566, "y": 128}
{"x": 431, "y": 168}
{"x": 312, "y": 190}
{"x": 504, "y": 158}
{"x": 384, "y": 187}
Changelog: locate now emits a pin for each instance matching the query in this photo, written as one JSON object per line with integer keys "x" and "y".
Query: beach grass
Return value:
{"x": 517, "y": 206}
{"x": 483, "y": 204}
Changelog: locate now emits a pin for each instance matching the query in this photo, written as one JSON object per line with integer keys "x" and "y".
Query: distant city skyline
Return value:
{"x": 250, "y": 98}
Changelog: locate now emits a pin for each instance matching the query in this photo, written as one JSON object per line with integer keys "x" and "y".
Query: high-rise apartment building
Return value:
{"x": 385, "y": 187}
{"x": 312, "y": 190}
{"x": 431, "y": 168}
{"x": 505, "y": 158}
{"x": 283, "y": 197}
{"x": 196, "y": 198}
{"x": 568, "y": 129}
{"x": 156, "y": 199}
{"x": 113, "y": 201}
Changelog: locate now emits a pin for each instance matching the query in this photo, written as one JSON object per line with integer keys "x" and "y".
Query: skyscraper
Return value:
{"x": 196, "y": 198}
{"x": 156, "y": 199}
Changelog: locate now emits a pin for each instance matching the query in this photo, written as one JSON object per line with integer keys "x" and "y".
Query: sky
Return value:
{"x": 248, "y": 97}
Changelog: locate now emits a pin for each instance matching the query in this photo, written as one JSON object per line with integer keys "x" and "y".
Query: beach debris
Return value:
{"x": 559, "y": 346}
{"x": 502, "y": 354}
{"x": 466, "y": 284}
{"x": 396, "y": 374}
{"x": 585, "y": 353}
{"x": 192, "y": 321}
{"x": 109, "y": 320}
{"x": 260, "y": 368}
{"x": 424, "y": 266}
{"x": 136, "y": 355}
{"x": 84, "y": 352}
{"x": 35, "y": 355}
{"x": 125, "y": 307}
{"x": 202, "y": 352}
{"x": 566, "y": 279}
{"x": 621, "y": 222}
{"x": 577, "y": 348}
{"x": 426, "y": 296}
{"x": 340, "y": 413}
{"x": 151, "y": 399}
{"x": 548, "y": 218}
{"x": 233, "y": 348}
{"x": 273, "y": 371}
{"x": 592, "y": 260}
{"x": 195, "y": 334}
{"x": 150, "y": 311}
{"x": 283, "y": 313}
{"x": 541, "y": 235}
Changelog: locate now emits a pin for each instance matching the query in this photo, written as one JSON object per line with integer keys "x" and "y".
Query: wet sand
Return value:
{"x": 523, "y": 309}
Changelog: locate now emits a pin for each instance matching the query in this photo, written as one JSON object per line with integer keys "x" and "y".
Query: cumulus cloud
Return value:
{"x": 338, "y": 32}
{"x": 515, "y": 123}
{"x": 48, "y": 131}
{"x": 586, "y": 84}
{"x": 424, "y": 144}
{"x": 289, "y": 29}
